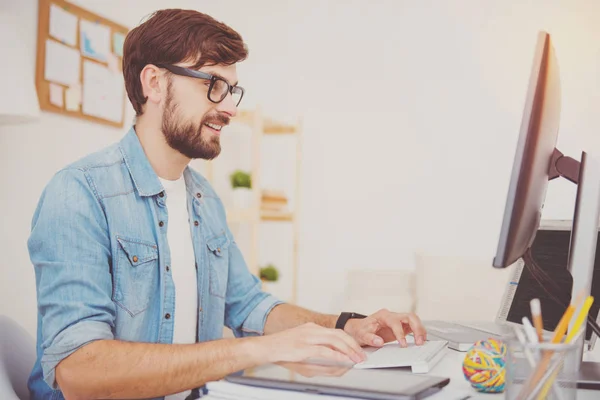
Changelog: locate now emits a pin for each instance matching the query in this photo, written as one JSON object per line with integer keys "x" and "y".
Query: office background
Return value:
{"x": 411, "y": 113}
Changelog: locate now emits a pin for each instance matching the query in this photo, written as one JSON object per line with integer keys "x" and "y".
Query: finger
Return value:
{"x": 395, "y": 324}
{"x": 417, "y": 328}
{"x": 325, "y": 338}
{"x": 372, "y": 339}
{"x": 354, "y": 345}
{"x": 325, "y": 353}
{"x": 343, "y": 342}
{"x": 368, "y": 334}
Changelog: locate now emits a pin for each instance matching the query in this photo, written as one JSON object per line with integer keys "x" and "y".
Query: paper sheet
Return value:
{"x": 62, "y": 63}
{"x": 73, "y": 97}
{"x": 113, "y": 63}
{"x": 94, "y": 40}
{"x": 56, "y": 95}
{"x": 103, "y": 92}
{"x": 118, "y": 40}
{"x": 63, "y": 25}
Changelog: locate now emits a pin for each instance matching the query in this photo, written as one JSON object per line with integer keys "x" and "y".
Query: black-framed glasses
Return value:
{"x": 218, "y": 88}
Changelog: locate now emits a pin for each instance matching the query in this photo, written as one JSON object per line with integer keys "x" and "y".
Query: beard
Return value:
{"x": 186, "y": 136}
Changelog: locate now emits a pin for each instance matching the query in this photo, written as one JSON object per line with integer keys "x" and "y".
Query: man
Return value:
{"x": 136, "y": 269}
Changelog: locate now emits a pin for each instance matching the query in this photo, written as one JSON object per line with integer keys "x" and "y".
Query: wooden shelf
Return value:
{"x": 270, "y": 127}
{"x": 267, "y": 215}
{"x": 249, "y": 215}
{"x": 259, "y": 126}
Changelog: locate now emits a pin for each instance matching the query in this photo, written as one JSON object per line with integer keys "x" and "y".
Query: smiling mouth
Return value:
{"x": 215, "y": 127}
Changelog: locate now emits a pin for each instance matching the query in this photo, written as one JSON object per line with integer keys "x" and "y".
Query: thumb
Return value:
{"x": 372, "y": 339}
{"x": 368, "y": 334}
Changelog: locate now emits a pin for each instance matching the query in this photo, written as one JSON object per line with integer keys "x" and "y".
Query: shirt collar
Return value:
{"x": 144, "y": 178}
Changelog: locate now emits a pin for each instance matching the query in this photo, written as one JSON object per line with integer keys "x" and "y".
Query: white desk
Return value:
{"x": 451, "y": 366}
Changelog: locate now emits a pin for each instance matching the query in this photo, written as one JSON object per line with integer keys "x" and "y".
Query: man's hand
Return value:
{"x": 385, "y": 326}
{"x": 311, "y": 341}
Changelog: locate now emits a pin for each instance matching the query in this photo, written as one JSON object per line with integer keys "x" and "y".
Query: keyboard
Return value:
{"x": 421, "y": 359}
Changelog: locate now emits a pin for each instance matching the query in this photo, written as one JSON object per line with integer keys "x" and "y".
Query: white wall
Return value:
{"x": 411, "y": 113}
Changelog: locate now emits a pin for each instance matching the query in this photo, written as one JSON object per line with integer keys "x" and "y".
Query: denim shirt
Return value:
{"x": 99, "y": 247}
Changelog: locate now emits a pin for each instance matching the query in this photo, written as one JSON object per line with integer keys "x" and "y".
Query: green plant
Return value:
{"x": 269, "y": 273}
{"x": 241, "y": 179}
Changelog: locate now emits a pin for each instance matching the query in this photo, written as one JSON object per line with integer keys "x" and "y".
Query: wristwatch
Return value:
{"x": 345, "y": 316}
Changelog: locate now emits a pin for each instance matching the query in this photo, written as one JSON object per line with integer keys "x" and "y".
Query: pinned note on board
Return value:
{"x": 63, "y": 25}
{"x": 62, "y": 63}
{"x": 103, "y": 92}
{"x": 118, "y": 41}
{"x": 94, "y": 40}
{"x": 73, "y": 97}
{"x": 56, "y": 95}
{"x": 113, "y": 63}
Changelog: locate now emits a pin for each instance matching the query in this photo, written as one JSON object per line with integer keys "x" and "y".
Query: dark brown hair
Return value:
{"x": 171, "y": 36}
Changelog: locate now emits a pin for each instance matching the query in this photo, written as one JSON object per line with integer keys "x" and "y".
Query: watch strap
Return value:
{"x": 345, "y": 316}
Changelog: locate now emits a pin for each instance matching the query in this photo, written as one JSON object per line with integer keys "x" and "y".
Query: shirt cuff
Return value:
{"x": 69, "y": 341}
{"x": 254, "y": 325}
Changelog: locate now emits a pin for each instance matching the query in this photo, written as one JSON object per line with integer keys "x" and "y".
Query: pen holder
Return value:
{"x": 542, "y": 370}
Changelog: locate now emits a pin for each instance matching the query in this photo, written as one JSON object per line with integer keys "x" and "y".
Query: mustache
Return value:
{"x": 217, "y": 119}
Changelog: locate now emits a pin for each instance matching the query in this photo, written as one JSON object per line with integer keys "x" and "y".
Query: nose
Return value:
{"x": 228, "y": 106}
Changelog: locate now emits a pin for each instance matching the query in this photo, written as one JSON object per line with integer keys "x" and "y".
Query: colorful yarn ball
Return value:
{"x": 483, "y": 366}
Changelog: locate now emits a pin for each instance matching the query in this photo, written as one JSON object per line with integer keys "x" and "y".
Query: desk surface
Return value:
{"x": 451, "y": 367}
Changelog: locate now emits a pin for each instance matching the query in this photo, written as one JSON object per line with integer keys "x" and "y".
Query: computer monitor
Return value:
{"x": 536, "y": 162}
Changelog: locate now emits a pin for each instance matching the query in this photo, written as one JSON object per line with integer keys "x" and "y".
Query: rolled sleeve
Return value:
{"x": 255, "y": 322}
{"x": 69, "y": 247}
{"x": 68, "y": 341}
{"x": 246, "y": 305}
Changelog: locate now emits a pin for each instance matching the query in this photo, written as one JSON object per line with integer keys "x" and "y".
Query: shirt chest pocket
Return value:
{"x": 135, "y": 275}
{"x": 218, "y": 258}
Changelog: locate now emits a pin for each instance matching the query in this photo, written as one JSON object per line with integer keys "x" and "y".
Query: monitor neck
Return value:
{"x": 561, "y": 165}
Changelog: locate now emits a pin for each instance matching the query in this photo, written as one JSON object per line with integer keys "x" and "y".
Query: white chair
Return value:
{"x": 17, "y": 356}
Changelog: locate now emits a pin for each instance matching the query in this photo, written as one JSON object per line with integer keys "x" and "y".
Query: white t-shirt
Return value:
{"x": 182, "y": 267}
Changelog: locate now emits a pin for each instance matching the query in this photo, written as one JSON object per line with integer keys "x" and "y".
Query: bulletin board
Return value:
{"x": 79, "y": 64}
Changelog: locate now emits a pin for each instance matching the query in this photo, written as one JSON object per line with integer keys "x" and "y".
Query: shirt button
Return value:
{"x": 167, "y": 315}
{"x": 196, "y": 223}
{"x": 161, "y": 224}
{"x": 168, "y": 268}
{"x": 161, "y": 194}
{"x": 135, "y": 259}
{"x": 198, "y": 195}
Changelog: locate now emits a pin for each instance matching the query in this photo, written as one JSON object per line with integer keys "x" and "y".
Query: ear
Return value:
{"x": 153, "y": 83}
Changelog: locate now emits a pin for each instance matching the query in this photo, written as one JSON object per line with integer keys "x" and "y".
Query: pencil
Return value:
{"x": 536, "y": 316}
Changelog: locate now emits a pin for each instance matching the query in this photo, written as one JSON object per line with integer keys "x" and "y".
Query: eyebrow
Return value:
{"x": 221, "y": 76}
